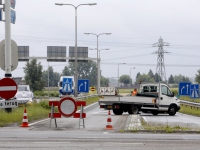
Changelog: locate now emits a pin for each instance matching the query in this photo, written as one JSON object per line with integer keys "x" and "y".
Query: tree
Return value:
{"x": 197, "y": 78}
{"x": 171, "y": 79}
{"x": 86, "y": 70}
{"x": 125, "y": 79}
{"x": 144, "y": 78}
{"x": 157, "y": 78}
{"x": 180, "y": 78}
{"x": 138, "y": 74}
{"x": 33, "y": 75}
{"x": 53, "y": 77}
{"x": 104, "y": 81}
{"x": 66, "y": 71}
{"x": 151, "y": 74}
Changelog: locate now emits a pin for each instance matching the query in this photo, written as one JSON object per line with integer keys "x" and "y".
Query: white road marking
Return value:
{"x": 145, "y": 119}
{"x": 132, "y": 143}
{"x": 51, "y": 142}
{"x": 38, "y": 122}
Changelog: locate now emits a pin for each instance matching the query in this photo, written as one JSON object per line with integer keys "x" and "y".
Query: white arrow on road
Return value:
{"x": 187, "y": 88}
{"x": 182, "y": 89}
{"x": 80, "y": 86}
{"x": 85, "y": 85}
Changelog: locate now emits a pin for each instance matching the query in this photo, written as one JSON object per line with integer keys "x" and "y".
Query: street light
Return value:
{"x": 118, "y": 74}
{"x": 130, "y": 72}
{"x": 98, "y": 64}
{"x": 76, "y": 64}
{"x": 99, "y": 50}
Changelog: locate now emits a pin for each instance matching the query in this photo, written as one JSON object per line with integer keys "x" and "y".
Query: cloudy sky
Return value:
{"x": 135, "y": 26}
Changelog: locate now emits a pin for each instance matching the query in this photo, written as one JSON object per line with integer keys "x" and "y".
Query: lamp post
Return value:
{"x": 130, "y": 72}
{"x": 76, "y": 64}
{"x": 118, "y": 74}
{"x": 98, "y": 64}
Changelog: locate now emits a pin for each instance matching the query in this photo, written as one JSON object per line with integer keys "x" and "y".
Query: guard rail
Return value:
{"x": 192, "y": 104}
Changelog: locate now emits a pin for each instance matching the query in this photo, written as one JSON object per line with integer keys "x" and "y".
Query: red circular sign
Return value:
{"x": 8, "y": 88}
{"x": 92, "y": 88}
{"x": 67, "y": 107}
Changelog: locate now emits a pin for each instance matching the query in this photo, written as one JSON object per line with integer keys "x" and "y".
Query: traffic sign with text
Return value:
{"x": 184, "y": 88}
{"x": 83, "y": 85}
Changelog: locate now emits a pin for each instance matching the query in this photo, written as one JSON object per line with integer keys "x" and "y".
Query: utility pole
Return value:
{"x": 160, "y": 69}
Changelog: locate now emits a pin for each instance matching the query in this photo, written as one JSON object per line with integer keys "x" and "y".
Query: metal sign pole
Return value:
{"x": 7, "y": 39}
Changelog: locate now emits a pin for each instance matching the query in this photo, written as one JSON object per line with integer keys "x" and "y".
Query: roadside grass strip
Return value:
{"x": 136, "y": 123}
{"x": 190, "y": 110}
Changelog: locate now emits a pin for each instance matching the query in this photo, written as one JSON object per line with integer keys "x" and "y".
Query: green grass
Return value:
{"x": 159, "y": 127}
{"x": 190, "y": 110}
{"x": 34, "y": 111}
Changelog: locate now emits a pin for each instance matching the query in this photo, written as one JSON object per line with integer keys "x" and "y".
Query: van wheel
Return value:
{"x": 172, "y": 110}
{"x": 134, "y": 109}
{"x": 154, "y": 112}
{"x": 118, "y": 111}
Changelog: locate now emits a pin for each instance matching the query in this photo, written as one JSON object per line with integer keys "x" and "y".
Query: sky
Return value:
{"x": 135, "y": 25}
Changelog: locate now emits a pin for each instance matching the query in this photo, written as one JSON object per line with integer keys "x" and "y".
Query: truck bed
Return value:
{"x": 139, "y": 99}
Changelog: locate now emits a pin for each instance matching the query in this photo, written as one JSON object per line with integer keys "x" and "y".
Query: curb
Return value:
{"x": 133, "y": 125}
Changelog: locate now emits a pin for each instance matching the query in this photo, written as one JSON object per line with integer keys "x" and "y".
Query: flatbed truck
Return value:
{"x": 151, "y": 97}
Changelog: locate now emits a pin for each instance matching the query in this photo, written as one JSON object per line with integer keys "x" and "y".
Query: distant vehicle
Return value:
{"x": 66, "y": 89}
{"x": 153, "y": 97}
{"x": 24, "y": 94}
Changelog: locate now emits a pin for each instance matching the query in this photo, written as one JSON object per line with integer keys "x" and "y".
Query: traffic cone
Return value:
{"x": 25, "y": 119}
{"x": 109, "y": 122}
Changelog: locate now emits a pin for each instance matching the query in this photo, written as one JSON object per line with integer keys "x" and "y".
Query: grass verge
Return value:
{"x": 190, "y": 110}
{"x": 166, "y": 128}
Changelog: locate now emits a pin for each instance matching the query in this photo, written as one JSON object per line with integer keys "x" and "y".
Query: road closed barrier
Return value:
{"x": 67, "y": 107}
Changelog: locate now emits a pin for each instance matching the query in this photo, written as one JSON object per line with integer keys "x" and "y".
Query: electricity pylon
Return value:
{"x": 160, "y": 69}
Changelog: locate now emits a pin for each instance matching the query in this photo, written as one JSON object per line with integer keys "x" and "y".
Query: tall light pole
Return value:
{"x": 76, "y": 64}
{"x": 98, "y": 64}
{"x": 130, "y": 72}
{"x": 118, "y": 74}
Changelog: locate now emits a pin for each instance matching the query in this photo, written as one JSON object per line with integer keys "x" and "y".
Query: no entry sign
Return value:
{"x": 8, "y": 88}
{"x": 67, "y": 107}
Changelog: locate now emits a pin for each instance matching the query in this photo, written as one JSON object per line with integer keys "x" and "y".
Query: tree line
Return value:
{"x": 37, "y": 78}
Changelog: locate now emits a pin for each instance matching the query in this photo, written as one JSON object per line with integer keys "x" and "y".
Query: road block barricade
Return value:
{"x": 67, "y": 107}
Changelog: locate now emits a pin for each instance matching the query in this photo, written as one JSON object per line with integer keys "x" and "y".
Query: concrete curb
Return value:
{"x": 133, "y": 125}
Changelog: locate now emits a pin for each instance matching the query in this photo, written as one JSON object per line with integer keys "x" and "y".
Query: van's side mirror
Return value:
{"x": 172, "y": 94}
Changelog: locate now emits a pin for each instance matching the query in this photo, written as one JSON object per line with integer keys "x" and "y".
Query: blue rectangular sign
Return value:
{"x": 83, "y": 85}
{"x": 184, "y": 88}
{"x": 13, "y": 16}
{"x": 0, "y": 14}
{"x": 194, "y": 91}
{"x": 67, "y": 85}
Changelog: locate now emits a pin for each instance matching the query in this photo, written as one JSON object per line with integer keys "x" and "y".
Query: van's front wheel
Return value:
{"x": 172, "y": 110}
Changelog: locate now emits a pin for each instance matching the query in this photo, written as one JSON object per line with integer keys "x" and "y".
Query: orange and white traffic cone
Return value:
{"x": 25, "y": 119}
{"x": 109, "y": 122}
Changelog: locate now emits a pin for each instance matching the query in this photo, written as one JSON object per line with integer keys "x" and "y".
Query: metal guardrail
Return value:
{"x": 87, "y": 96}
{"x": 192, "y": 104}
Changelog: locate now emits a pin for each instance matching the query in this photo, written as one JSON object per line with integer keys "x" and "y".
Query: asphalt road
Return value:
{"x": 94, "y": 137}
